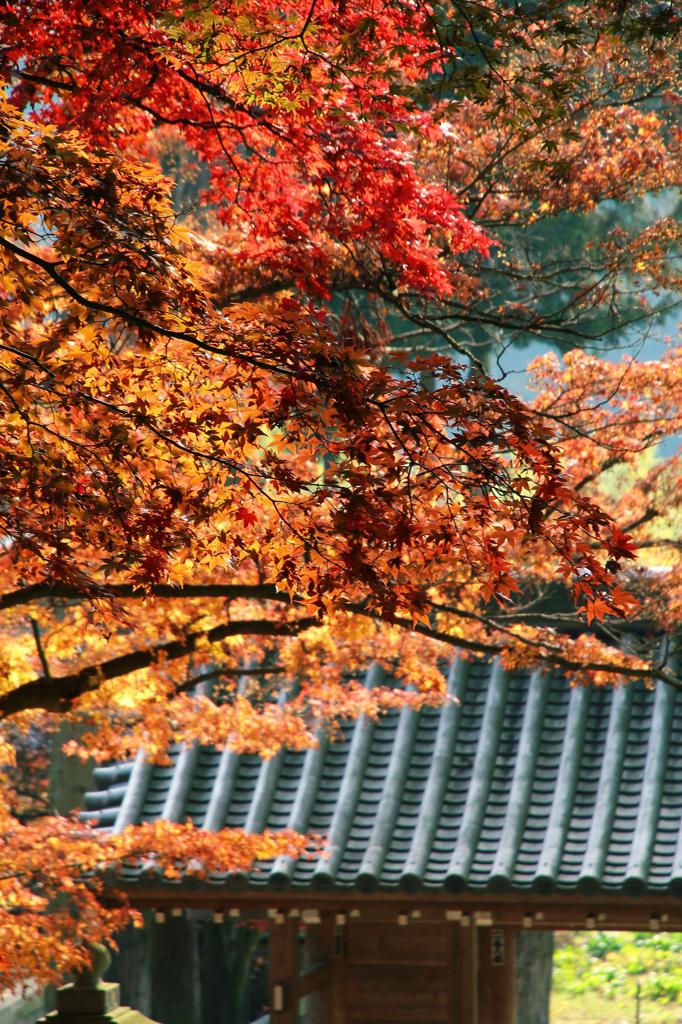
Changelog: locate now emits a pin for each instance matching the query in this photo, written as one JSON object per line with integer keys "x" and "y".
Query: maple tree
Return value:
{"x": 252, "y": 440}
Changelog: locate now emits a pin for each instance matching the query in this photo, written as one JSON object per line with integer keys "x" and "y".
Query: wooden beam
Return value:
{"x": 283, "y": 957}
{"x": 314, "y": 980}
{"x": 555, "y": 912}
{"x": 496, "y": 976}
{"x": 462, "y": 973}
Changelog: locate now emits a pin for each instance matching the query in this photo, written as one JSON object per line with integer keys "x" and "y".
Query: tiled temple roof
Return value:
{"x": 524, "y": 784}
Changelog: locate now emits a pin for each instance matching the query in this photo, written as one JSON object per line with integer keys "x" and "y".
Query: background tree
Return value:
{"x": 218, "y": 462}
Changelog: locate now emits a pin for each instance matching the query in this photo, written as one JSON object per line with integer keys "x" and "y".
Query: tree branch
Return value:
{"x": 236, "y": 672}
{"x": 58, "y": 693}
{"x": 546, "y": 652}
{"x": 231, "y": 591}
{"x": 131, "y": 317}
{"x": 35, "y": 628}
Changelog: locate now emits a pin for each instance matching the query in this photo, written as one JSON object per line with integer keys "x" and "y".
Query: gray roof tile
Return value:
{"x": 519, "y": 783}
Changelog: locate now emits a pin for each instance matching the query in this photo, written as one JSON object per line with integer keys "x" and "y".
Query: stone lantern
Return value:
{"x": 89, "y": 1000}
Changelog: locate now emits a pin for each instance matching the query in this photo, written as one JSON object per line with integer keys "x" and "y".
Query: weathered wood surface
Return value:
{"x": 283, "y": 957}
{"x": 496, "y": 976}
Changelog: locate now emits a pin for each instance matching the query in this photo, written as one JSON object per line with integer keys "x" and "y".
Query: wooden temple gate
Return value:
{"x": 428, "y": 959}
{"x": 521, "y": 803}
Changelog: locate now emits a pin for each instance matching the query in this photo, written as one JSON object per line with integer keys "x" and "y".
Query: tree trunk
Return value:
{"x": 175, "y": 971}
{"x": 225, "y": 972}
{"x": 534, "y": 951}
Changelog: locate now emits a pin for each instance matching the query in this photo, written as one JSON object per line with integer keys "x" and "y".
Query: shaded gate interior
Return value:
{"x": 359, "y": 970}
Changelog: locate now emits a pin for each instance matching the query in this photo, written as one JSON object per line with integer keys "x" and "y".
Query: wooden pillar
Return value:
{"x": 462, "y": 960}
{"x": 283, "y": 955}
{"x": 496, "y": 976}
{"x": 335, "y": 944}
{"x": 326, "y": 943}
{"x": 318, "y": 953}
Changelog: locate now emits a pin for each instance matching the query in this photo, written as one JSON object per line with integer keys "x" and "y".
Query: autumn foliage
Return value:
{"x": 251, "y": 256}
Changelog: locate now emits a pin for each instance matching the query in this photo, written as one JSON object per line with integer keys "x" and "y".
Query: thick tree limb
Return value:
{"x": 230, "y": 591}
{"x": 58, "y": 693}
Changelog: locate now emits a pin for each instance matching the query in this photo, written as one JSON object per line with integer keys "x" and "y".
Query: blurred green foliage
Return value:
{"x": 613, "y": 964}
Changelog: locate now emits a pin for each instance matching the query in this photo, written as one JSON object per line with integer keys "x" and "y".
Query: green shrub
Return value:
{"x": 613, "y": 964}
